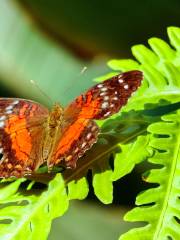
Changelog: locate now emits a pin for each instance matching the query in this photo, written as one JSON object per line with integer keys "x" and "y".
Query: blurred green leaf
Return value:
{"x": 27, "y": 54}
{"x": 87, "y": 220}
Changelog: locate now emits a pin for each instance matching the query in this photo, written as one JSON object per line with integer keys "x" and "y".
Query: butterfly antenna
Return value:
{"x": 41, "y": 91}
{"x": 83, "y": 70}
{"x": 67, "y": 89}
{"x": 81, "y": 73}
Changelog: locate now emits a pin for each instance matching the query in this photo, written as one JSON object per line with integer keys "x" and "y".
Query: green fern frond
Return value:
{"x": 27, "y": 215}
{"x": 125, "y": 138}
{"x": 130, "y": 155}
{"x": 162, "y": 203}
{"x": 160, "y": 86}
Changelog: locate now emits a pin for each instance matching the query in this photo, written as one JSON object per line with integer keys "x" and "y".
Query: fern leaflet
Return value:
{"x": 161, "y": 209}
{"x": 27, "y": 215}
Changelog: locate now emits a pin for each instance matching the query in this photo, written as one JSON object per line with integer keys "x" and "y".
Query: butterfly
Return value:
{"x": 31, "y": 135}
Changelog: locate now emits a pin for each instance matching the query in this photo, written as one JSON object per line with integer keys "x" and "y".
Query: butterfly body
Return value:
{"x": 31, "y": 135}
{"x": 52, "y": 131}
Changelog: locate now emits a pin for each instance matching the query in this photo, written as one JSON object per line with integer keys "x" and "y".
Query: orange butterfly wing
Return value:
{"x": 105, "y": 99}
{"x": 23, "y": 126}
{"x": 21, "y": 134}
{"x": 77, "y": 138}
{"x": 99, "y": 102}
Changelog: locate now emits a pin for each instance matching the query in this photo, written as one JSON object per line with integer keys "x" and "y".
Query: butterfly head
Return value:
{"x": 56, "y": 114}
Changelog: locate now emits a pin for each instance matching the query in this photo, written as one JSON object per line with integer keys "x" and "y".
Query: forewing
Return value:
{"x": 21, "y": 132}
{"x": 99, "y": 102}
{"x": 106, "y": 98}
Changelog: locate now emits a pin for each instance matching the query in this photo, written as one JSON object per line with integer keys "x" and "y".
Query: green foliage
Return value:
{"x": 102, "y": 182}
{"x": 27, "y": 214}
{"x": 130, "y": 154}
{"x": 118, "y": 136}
{"x": 143, "y": 130}
{"x": 160, "y": 205}
{"x": 78, "y": 189}
{"x": 161, "y": 68}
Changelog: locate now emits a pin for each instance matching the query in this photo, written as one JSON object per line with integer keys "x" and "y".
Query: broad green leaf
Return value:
{"x": 87, "y": 220}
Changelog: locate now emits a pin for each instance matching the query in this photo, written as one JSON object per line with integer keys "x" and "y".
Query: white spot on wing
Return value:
{"x": 83, "y": 145}
{"x": 104, "y": 89}
{"x": 106, "y": 98}
{"x": 103, "y": 93}
{"x": 76, "y": 150}
{"x": 107, "y": 114}
{"x": 115, "y": 98}
{"x": 1, "y": 150}
{"x": 105, "y": 105}
{"x": 126, "y": 86}
{"x": 1, "y": 124}
{"x": 120, "y": 80}
{"x": 2, "y": 118}
{"x": 8, "y": 112}
{"x": 15, "y": 102}
{"x": 89, "y": 136}
{"x": 100, "y": 85}
{"x": 10, "y": 107}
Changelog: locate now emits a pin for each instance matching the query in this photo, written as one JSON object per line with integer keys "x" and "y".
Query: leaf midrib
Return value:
{"x": 160, "y": 224}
